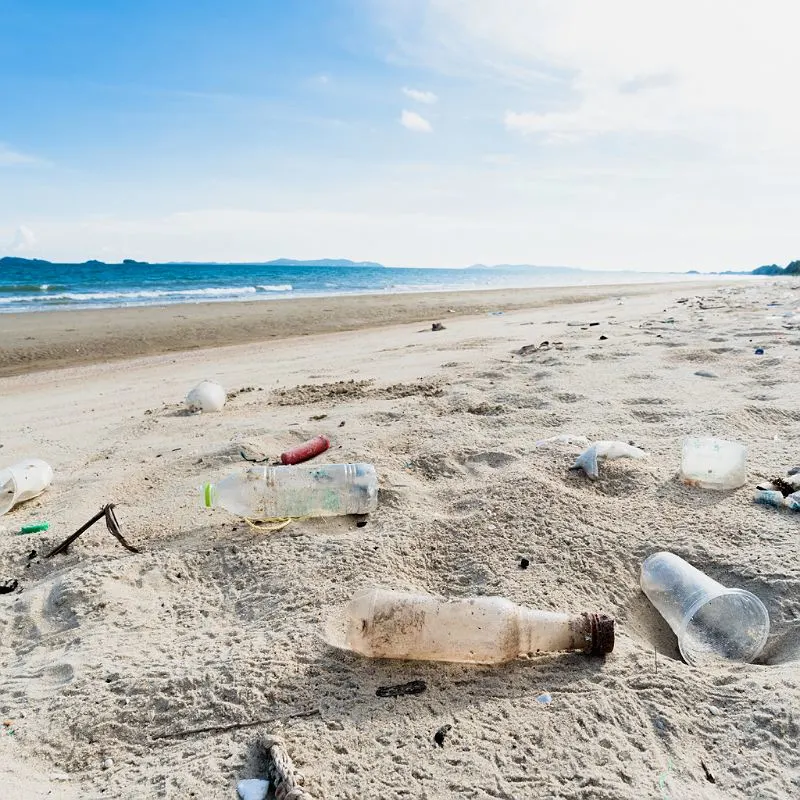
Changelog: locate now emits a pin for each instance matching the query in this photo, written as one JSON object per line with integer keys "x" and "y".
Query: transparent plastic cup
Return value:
{"x": 23, "y": 481}
{"x": 712, "y": 623}
{"x": 713, "y": 464}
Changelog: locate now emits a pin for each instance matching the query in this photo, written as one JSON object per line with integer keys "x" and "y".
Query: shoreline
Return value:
{"x": 60, "y": 339}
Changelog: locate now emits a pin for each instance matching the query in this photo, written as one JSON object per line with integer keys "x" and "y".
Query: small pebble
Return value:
{"x": 252, "y": 789}
{"x": 524, "y": 563}
{"x": 706, "y": 373}
{"x": 603, "y": 338}
{"x": 108, "y": 763}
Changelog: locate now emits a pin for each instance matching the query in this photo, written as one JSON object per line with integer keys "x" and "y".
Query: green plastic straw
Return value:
{"x": 36, "y": 527}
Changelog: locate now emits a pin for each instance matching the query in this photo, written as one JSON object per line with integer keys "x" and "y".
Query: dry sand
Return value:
{"x": 149, "y": 676}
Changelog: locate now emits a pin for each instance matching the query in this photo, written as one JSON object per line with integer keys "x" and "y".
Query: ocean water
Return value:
{"x": 41, "y": 287}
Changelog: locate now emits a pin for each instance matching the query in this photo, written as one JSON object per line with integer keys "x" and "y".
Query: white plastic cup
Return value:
{"x": 713, "y": 463}
{"x": 206, "y": 396}
{"x": 712, "y": 623}
{"x": 23, "y": 481}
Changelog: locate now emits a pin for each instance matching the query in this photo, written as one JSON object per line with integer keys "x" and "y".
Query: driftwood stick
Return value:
{"x": 67, "y": 542}
{"x": 280, "y": 770}
{"x": 112, "y": 524}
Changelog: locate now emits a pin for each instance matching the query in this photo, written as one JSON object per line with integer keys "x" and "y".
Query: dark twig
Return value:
{"x": 112, "y": 524}
{"x": 233, "y": 726}
{"x": 113, "y": 527}
{"x": 62, "y": 548}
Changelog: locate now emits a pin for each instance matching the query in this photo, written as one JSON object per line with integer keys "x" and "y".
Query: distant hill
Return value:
{"x": 13, "y": 261}
{"x": 773, "y": 269}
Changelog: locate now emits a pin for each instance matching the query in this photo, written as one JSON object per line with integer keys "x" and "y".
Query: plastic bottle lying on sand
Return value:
{"x": 319, "y": 490}
{"x": 381, "y": 623}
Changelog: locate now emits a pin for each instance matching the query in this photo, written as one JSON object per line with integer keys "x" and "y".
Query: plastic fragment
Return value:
{"x": 589, "y": 458}
{"x": 564, "y": 438}
{"x": 252, "y": 789}
{"x": 36, "y": 527}
{"x": 769, "y": 497}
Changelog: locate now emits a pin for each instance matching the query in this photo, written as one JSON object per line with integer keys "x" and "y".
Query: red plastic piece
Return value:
{"x": 303, "y": 452}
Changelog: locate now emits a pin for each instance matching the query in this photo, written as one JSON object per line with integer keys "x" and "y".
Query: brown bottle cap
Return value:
{"x": 599, "y": 634}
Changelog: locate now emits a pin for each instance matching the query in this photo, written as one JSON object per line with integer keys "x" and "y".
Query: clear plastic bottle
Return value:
{"x": 319, "y": 490}
{"x": 381, "y": 623}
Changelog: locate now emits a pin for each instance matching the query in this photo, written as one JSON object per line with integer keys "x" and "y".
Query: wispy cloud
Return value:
{"x": 11, "y": 158}
{"x": 24, "y": 240}
{"x": 421, "y": 95}
{"x": 415, "y": 122}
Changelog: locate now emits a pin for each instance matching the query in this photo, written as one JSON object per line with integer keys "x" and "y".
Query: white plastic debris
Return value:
{"x": 23, "y": 481}
{"x": 564, "y": 438}
{"x": 206, "y": 396}
{"x": 588, "y": 459}
{"x": 252, "y": 789}
{"x": 544, "y": 699}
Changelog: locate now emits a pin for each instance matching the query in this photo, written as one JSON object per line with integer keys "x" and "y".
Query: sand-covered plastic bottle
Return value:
{"x": 382, "y": 623}
{"x": 318, "y": 490}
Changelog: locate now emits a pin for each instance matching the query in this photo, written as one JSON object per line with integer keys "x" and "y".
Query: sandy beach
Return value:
{"x": 150, "y": 675}
{"x": 37, "y": 341}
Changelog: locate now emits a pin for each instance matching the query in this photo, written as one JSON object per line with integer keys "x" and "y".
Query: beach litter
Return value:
{"x": 107, "y": 512}
{"x": 412, "y": 687}
{"x": 34, "y": 527}
{"x": 713, "y": 623}
{"x": 23, "y": 481}
{"x": 252, "y": 789}
{"x": 563, "y": 438}
{"x": 207, "y": 396}
{"x": 437, "y": 326}
{"x": 383, "y": 623}
{"x": 781, "y": 492}
{"x": 6, "y": 587}
{"x": 759, "y": 351}
{"x": 544, "y": 699}
{"x": 716, "y": 464}
{"x": 306, "y": 450}
{"x": 589, "y": 459}
{"x": 706, "y": 373}
{"x": 438, "y": 737}
{"x": 278, "y": 494}
{"x": 280, "y": 770}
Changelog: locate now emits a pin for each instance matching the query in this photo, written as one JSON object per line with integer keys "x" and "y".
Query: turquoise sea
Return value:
{"x": 41, "y": 286}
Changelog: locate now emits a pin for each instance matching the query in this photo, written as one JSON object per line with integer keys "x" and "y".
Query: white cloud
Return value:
{"x": 724, "y": 74}
{"x": 10, "y": 158}
{"x": 415, "y": 122}
{"x": 23, "y": 240}
{"x": 420, "y": 95}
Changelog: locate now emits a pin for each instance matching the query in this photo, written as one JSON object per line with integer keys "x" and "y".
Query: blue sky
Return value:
{"x": 412, "y": 132}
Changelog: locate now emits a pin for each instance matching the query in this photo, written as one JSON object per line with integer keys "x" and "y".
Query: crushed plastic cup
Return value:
{"x": 717, "y": 464}
{"x": 712, "y": 622}
{"x": 23, "y": 481}
{"x": 206, "y": 396}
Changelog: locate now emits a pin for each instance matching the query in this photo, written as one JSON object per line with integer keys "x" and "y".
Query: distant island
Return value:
{"x": 14, "y": 261}
{"x": 773, "y": 269}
